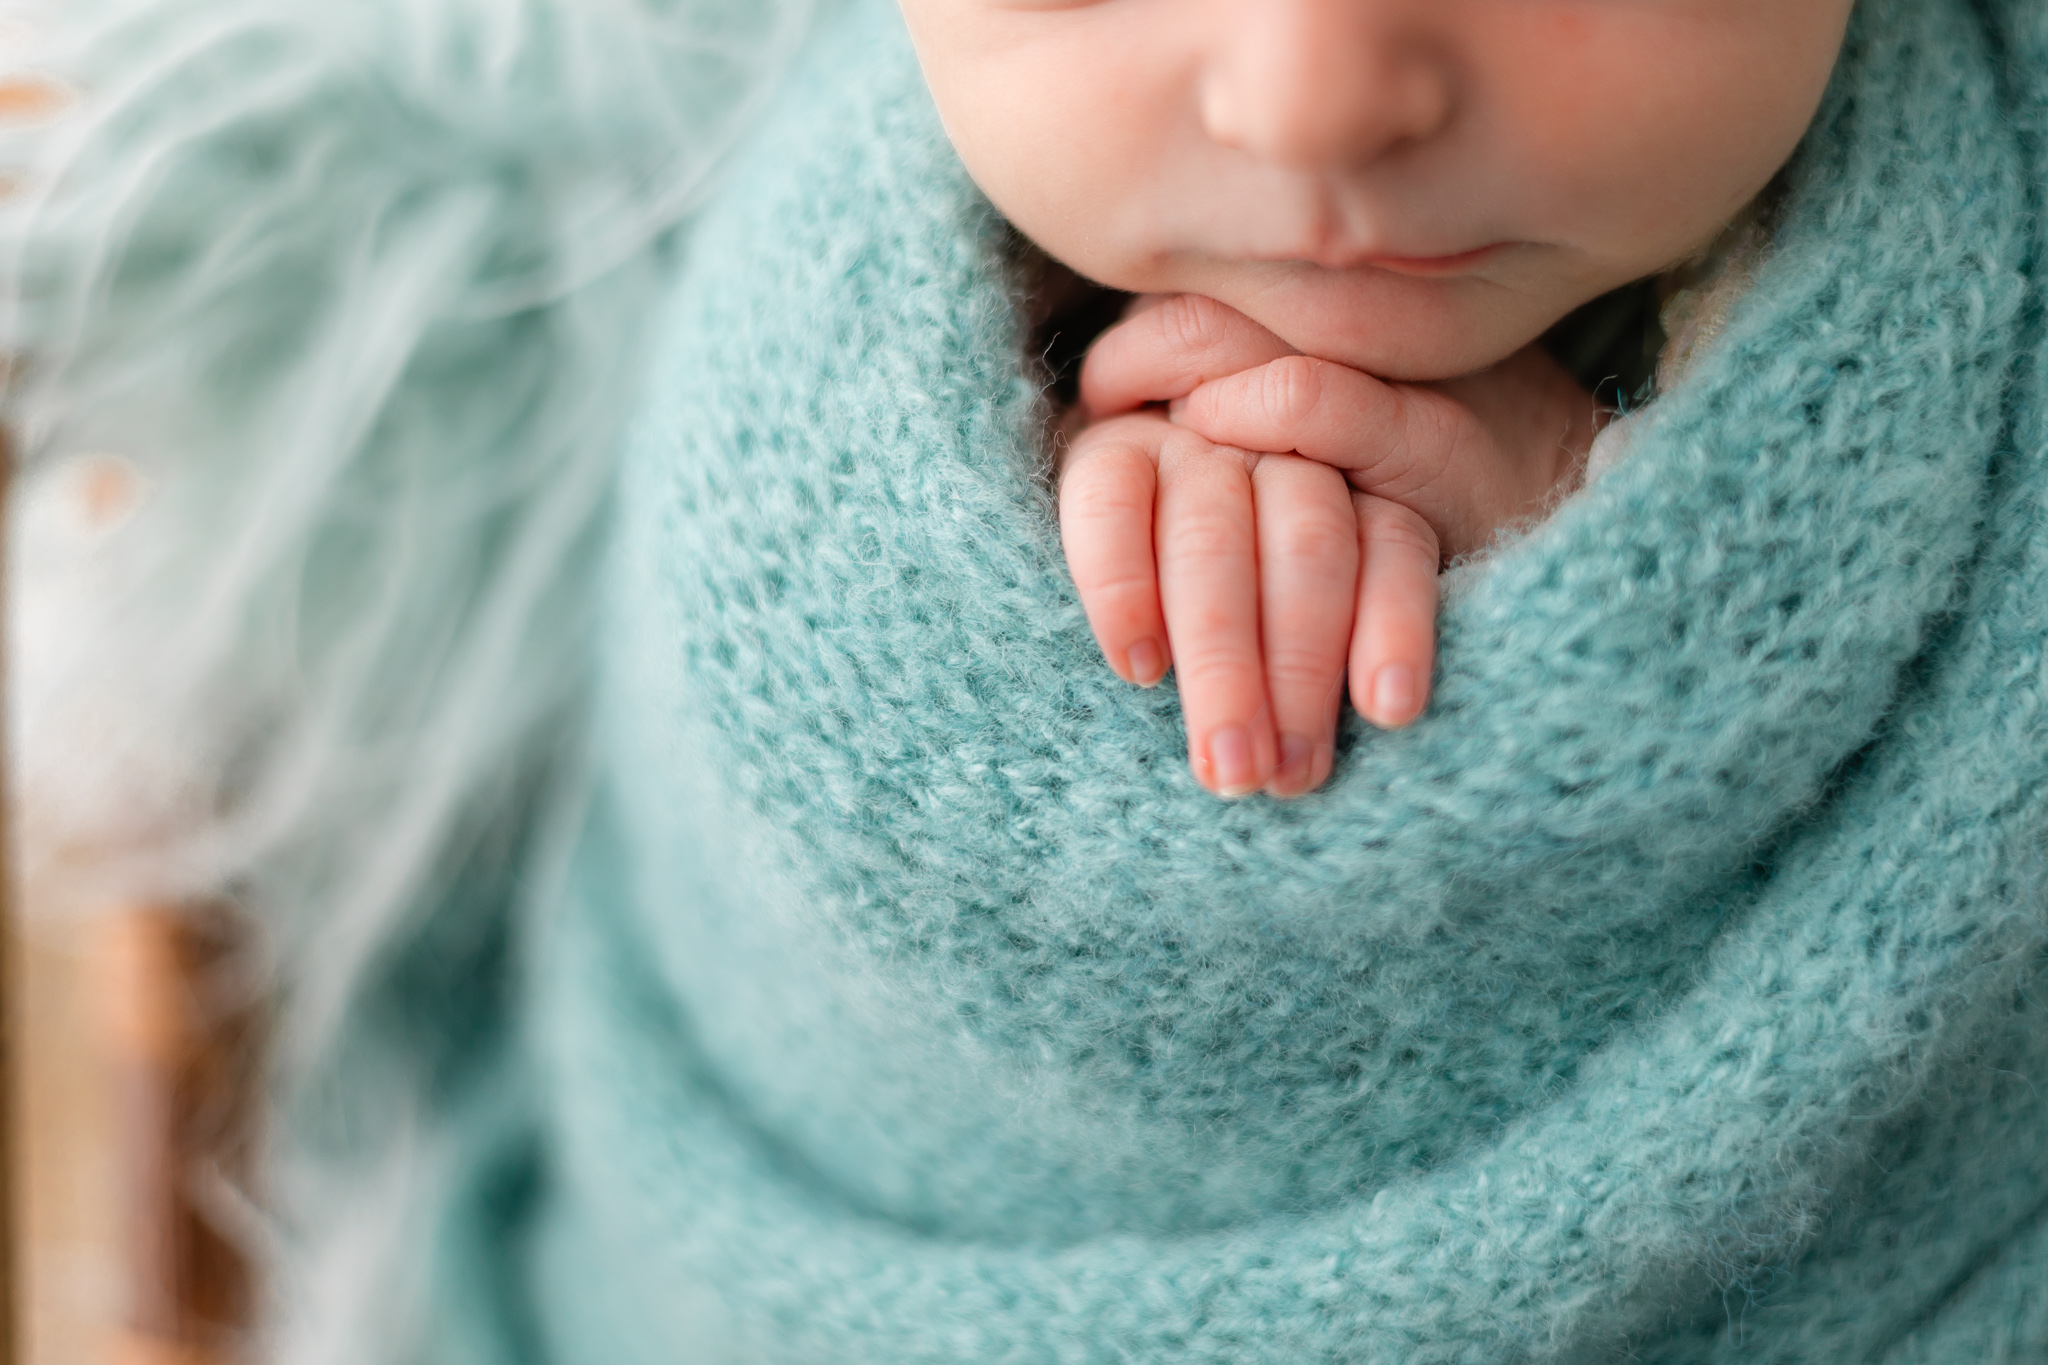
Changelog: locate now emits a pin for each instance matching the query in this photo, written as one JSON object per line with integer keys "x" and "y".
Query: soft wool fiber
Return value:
{"x": 355, "y": 297}
{"x": 1668, "y": 993}
{"x": 1665, "y": 990}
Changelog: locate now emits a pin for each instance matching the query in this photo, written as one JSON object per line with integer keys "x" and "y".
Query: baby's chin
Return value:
{"x": 1391, "y": 325}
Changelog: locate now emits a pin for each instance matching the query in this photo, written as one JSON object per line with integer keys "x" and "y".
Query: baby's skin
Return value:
{"x": 1282, "y": 523}
{"x": 1348, "y": 222}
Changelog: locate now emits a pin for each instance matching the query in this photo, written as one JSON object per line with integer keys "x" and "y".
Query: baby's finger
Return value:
{"x": 1308, "y": 595}
{"x": 1393, "y": 644}
{"x": 1107, "y": 495}
{"x": 1208, "y": 580}
{"x": 1165, "y": 349}
{"x": 1392, "y": 440}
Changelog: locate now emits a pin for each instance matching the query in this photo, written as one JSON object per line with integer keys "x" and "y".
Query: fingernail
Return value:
{"x": 1393, "y": 695}
{"x": 1146, "y": 662}
{"x": 1230, "y": 760}
{"x": 1326, "y": 761}
{"x": 1296, "y": 773}
{"x": 1174, "y": 407}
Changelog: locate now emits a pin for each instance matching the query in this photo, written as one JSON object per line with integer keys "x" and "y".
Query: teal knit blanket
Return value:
{"x": 1669, "y": 992}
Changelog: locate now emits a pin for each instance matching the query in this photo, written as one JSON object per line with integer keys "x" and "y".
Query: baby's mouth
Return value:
{"x": 1425, "y": 267}
{"x": 1457, "y": 263}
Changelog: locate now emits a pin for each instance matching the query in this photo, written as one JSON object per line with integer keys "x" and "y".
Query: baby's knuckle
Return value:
{"x": 1088, "y": 452}
{"x": 1130, "y": 435}
{"x": 1299, "y": 670}
{"x": 1391, "y": 526}
{"x": 1205, "y": 537}
{"x": 1315, "y": 538}
{"x": 1122, "y": 594}
{"x": 1187, "y": 457}
{"x": 1089, "y": 501}
{"x": 1290, "y": 388}
{"x": 1116, "y": 445}
{"x": 1183, "y": 448}
{"x": 1214, "y": 669}
{"x": 1190, "y": 322}
{"x": 1249, "y": 460}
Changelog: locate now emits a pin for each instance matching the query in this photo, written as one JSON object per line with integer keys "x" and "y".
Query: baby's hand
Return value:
{"x": 1470, "y": 454}
{"x": 1250, "y": 565}
{"x": 1268, "y": 574}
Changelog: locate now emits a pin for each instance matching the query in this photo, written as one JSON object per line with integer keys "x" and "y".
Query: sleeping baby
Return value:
{"x": 1348, "y": 223}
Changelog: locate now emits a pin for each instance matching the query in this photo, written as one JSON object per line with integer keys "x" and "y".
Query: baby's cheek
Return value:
{"x": 1633, "y": 132}
{"x": 1063, "y": 117}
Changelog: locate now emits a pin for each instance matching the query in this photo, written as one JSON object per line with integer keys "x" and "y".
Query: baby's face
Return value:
{"x": 1415, "y": 188}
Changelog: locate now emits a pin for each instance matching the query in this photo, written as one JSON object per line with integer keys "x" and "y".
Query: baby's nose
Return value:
{"x": 1322, "y": 84}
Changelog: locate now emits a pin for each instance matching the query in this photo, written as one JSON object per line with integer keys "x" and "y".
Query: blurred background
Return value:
{"x": 136, "y": 1059}
{"x": 66, "y": 1163}
{"x": 135, "y": 1138}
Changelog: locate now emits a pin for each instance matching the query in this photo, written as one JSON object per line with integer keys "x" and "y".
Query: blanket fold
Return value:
{"x": 1666, "y": 990}
{"x": 1671, "y": 992}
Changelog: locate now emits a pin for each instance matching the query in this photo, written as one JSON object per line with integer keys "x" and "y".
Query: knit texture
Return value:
{"x": 1668, "y": 992}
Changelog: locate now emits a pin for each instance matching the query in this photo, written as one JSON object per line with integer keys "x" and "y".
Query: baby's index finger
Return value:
{"x": 1208, "y": 588}
{"x": 1166, "y": 349}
